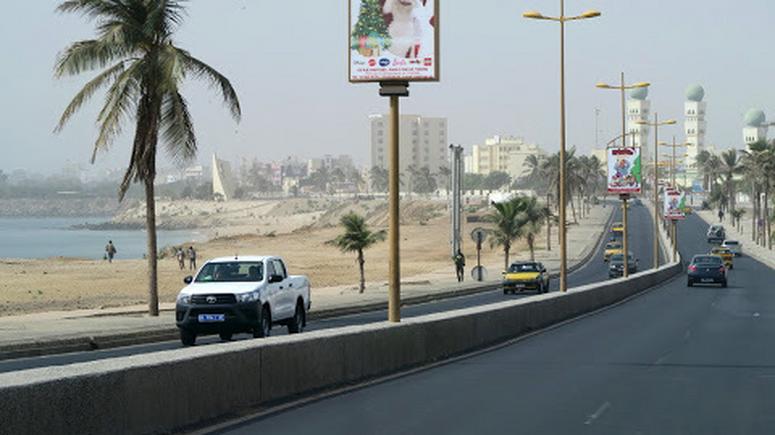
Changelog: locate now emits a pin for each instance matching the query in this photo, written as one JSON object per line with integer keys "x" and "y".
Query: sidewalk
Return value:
{"x": 750, "y": 248}
{"x": 66, "y": 331}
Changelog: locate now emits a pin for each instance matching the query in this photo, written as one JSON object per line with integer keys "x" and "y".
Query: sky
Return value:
{"x": 499, "y": 75}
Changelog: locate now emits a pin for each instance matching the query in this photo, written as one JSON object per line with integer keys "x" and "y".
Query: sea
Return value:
{"x": 55, "y": 237}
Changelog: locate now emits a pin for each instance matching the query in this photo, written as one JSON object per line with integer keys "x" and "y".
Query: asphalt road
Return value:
{"x": 675, "y": 360}
{"x": 595, "y": 270}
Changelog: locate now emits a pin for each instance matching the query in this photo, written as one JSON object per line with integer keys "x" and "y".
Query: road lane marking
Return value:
{"x": 598, "y": 413}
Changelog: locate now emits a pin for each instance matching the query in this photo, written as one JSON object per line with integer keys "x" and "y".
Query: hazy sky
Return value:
{"x": 288, "y": 62}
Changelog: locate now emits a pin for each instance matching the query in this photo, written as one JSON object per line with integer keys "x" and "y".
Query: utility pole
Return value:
{"x": 456, "y": 206}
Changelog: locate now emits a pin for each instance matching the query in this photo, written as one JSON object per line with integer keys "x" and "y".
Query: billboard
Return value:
{"x": 675, "y": 203}
{"x": 393, "y": 40}
{"x": 624, "y": 170}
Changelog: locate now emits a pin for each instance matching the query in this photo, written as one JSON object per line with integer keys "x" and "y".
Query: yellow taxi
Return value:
{"x": 617, "y": 227}
{"x": 726, "y": 255}
{"x": 612, "y": 248}
{"x": 525, "y": 275}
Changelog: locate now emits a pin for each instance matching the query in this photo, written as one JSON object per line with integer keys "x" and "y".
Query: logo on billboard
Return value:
{"x": 384, "y": 62}
{"x": 372, "y": 62}
{"x": 428, "y": 61}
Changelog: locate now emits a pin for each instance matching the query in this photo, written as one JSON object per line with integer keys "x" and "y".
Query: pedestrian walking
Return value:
{"x": 191, "y": 258}
{"x": 720, "y": 215}
{"x": 460, "y": 265}
{"x": 181, "y": 256}
{"x": 110, "y": 251}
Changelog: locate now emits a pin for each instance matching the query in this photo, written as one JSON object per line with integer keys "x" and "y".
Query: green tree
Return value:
{"x": 370, "y": 24}
{"x": 357, "y": 237}
{"x": 495, "y": 180}
{"x": 531, "y": 220}
{"x": 143, "y": 72}
{"x": 379, "y": 179}
{"x": 473, "y": 181}
{"x": 508, "y": 225}
{"x": 423, "y": 181}
{"x": 730, "y": 167}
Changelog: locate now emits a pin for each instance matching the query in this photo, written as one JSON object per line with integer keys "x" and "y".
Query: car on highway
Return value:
{"x": 612, "y": 248}
{"x": 735, "y": 246}
{"x": 525, "y": 275}
{"x": 706, "y": 269}
{"x": 241, "y": 294}
{"x": 616, "y": 265}
{"x": 725, "y": 254}
{"x": 617, "y": 227}
{"x": 716, "y": 233}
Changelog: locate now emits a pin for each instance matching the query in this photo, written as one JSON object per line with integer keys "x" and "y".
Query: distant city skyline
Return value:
{"x": 497, "y": 79}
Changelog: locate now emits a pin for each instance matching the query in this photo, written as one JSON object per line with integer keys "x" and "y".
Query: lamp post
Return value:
{"x": 656, "y": 125}
{"x": 673, "y": 223}
{"x": 562, "y": 19}
{"x": 625, "y": 196}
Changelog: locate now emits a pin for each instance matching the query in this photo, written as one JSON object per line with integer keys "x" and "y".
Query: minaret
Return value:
{"x": 638, "y": 109}
{"x": 694, "y": 127}
{"x": 755, "y": 126}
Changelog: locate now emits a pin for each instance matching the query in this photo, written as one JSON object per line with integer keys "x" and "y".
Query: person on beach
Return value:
{"x": 460, "y": 264}
{"x": 191, "y": 258}
{"x": 110, "y": 251}
{"x": 181, "y": 256}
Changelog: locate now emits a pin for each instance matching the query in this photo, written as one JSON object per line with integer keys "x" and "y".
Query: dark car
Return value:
{"x": 616, "y": 265}
{"x": 707, "y": 269}
{"x": 716, "y": 234}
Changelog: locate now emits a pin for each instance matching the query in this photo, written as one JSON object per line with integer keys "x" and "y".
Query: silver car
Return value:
{"x": 734, "y": 246}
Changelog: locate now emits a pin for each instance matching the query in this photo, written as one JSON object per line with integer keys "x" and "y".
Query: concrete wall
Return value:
{"x": 173, "y": 389}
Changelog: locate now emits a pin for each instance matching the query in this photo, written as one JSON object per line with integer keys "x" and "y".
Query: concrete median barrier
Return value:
{"x": 170, "y": 390}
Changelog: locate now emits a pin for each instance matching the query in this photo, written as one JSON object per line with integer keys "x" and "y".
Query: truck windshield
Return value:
{"x": 232, "y": 272}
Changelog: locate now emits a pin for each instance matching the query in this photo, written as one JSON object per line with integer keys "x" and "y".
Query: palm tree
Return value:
{"x": 379, "y": 179}
{"x": 508, "y": 225}
{"x": 700, "y": 161}
{"x": 730, "y": 167}
{"x": 444, "y": 178}
{"x": 143, "y": 72}
{"x": 531, "y": 220}
{"x": 356, "y": 238}
{"x": 737, "y": 214}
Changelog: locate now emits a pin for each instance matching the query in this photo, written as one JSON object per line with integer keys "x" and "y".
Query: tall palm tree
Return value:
{"x": 730, "y": 167}
{"x": 700, "y": 161}
{"x": 379, "y": 179}
{"x": 508, "y": 225}
{"x": 357, "y": 237}
{"x": 532, "y": 219}
{"x": 143, "y": 71}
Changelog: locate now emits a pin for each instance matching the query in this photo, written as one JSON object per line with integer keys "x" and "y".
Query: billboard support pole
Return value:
{"x": 675, "y": 241}
{"x": 625, "y": 249}
{"x": 394, "y": 90}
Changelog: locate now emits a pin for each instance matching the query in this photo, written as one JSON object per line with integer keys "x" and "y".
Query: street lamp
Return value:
{"x": 656, "y": 125}
{"x": 562, "y": 224}
{"x": 624, "y": 196}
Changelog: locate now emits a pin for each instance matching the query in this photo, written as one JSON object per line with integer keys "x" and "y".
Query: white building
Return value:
{"x": 422, "y": 142}
{"x": 694, "y": 127}
{"x": 639, "y": 109}
{"x": 755, "y": 126}
{"x": 505, "y": 154}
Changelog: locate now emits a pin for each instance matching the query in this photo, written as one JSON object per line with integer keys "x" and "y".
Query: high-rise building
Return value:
{"x": 756, "y": 127}
{"x": 504, "y": 154}
{"x": 694, "y": 127}
{"x": 639, "y": 109}
{"x": 422, "y": 142}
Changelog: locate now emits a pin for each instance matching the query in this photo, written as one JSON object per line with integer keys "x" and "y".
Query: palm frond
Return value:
{"x": 177, "y": 128}
{"x": 88, "y": 55}
{"x": 87, "y": 92}
{"x": 203, "y": 71}
{"x": 119, "y": 103}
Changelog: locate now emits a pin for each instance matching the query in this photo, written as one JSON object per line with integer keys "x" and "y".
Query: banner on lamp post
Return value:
{"x": 675, "y": 204}
{"x": 393, "y": 40}
{"x": 624, "y": 170}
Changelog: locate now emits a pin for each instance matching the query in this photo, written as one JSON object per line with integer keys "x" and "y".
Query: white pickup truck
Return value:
{"x": 241, "y": 294}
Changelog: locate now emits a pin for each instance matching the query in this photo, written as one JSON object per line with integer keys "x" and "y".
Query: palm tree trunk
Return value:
{"x": 573, "y": 209}
{"x": 361, "y": 261}
{"x": 767, "y": 228}
{"x": 506, "y": 249}
{"x": 150, "y": 225}
{"x": 753, "y": 212}
{"x": 548, "y": 233}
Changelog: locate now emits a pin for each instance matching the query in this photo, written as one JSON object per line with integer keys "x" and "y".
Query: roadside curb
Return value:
{"x": 131, "y": 338}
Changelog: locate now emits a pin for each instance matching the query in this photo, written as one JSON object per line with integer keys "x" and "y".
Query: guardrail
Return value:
{"x": 169, "y": 390}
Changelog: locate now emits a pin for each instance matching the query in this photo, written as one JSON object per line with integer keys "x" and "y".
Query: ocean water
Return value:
{"x": 52, "y": 237}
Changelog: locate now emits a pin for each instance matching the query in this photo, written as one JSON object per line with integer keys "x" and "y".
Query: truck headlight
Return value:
{"x": 184, "y": 299}
{"x": 248, "y": 297}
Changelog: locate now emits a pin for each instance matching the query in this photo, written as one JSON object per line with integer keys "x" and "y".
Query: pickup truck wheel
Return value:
{"x": 225, "y": 336}
{"x": 188, "y": 338}
{"x": 265, "y": 325}
{"x": 296, "y": 324}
